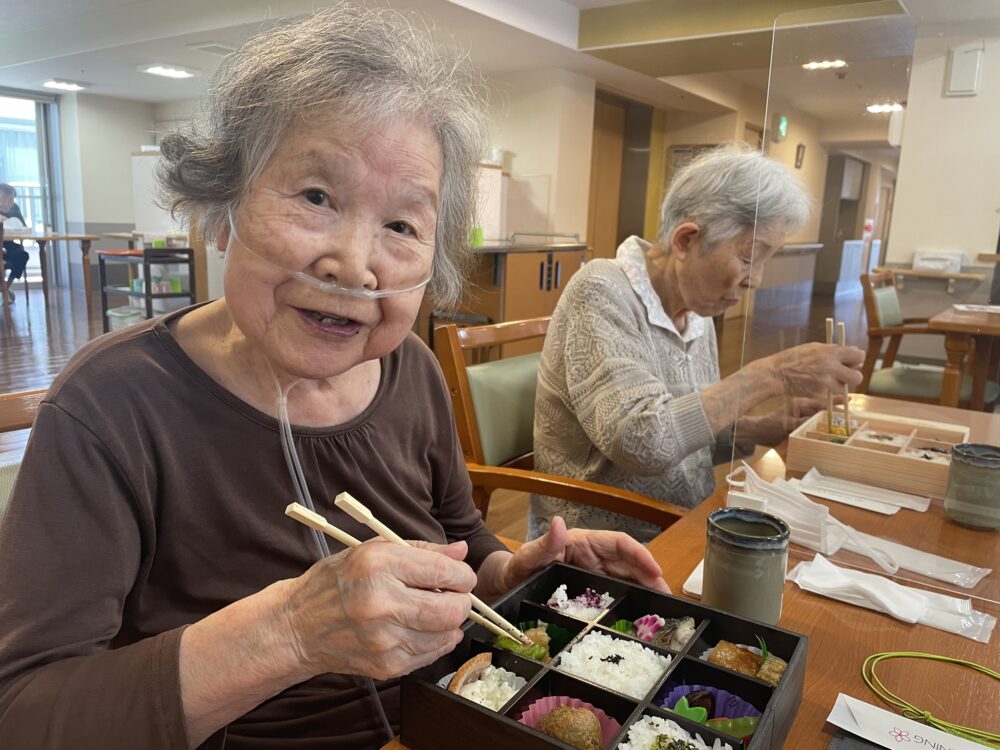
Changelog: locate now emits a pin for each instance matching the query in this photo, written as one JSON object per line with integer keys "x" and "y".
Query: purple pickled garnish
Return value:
{"x": 590, "y": 598}
{"x": 647, "y": 626}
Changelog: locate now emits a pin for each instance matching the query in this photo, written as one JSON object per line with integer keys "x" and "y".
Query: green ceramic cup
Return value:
{"x": 746, "y": 556}
{"x": 973, "y": 495}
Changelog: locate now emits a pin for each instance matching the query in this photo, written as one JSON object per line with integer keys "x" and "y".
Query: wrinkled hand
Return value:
{"x": 772, "y": 428}
{"x": 811, "y": 370}
{"x": 610, "y": 552}
{"x": 371, "y": 610}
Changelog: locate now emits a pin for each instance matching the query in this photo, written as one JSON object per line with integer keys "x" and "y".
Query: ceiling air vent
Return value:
{"x": 213, "y": 48}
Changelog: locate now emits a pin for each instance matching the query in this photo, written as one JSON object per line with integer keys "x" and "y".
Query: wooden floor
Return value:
{"x": 45, "y": 338}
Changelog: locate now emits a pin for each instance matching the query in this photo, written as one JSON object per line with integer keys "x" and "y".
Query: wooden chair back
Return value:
{"x": 452, "y": 344}
{"x": 495, "y": 463}
{"x": 870, "y": 284}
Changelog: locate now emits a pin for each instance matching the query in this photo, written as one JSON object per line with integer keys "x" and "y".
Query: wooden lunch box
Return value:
{"x": 433, "y": 718}
{"x": 908, "y": 455}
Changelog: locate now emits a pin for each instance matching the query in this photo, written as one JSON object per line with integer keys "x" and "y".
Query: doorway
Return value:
{"x": 25, "y": 164}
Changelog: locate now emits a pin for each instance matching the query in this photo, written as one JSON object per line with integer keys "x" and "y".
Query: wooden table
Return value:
{"x": 43, "y": 239}
{"x": 961, "y": 329}
{"x": 841, "y": 635}
{"x": 128, "y": 237}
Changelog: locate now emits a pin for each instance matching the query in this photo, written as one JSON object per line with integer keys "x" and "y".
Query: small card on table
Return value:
{"x": 887, "y": 729}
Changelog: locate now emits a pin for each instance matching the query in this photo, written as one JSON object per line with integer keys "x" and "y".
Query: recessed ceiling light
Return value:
{"x": 825, "y": 64}
{"x": 61, "y": 85}
{"x": 169, "y": 71}
{"x": 877, "y": 109}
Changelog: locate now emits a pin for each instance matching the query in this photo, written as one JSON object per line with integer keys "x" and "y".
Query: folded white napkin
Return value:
{"x": 859, "y": 494}
{"x": 927, "y": 564}
{"x": 875, "y": 592}
{"x": 692, "y": 586}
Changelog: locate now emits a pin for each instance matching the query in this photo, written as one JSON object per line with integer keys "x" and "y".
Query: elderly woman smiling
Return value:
{"x": 628, "y": 388}
{"x": 153, "y": 594}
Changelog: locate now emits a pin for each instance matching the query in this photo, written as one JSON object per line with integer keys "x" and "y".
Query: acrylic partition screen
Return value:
{"x": 837, "y": 94}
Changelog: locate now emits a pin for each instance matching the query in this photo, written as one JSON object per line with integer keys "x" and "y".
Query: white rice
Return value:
{"x": 575, "y": 608}
{"x": 494, "y": 688}
{"x": 637, "y": 669}
{"x": 643, "y": 733}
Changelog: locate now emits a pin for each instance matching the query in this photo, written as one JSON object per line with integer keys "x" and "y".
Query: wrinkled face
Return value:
{"x": 711, "y": 283}
{"x": 358, "y": 207}
{"x": 6, "y": 201}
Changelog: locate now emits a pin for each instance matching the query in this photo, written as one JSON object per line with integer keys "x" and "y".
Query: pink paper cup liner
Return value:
{"x": 538, "y": 709}
{"x": 727, "y": 705}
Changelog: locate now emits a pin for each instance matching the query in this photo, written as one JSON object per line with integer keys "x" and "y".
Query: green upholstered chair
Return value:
{"x": 494, "y": 404}
{"x": 886, "y": 321}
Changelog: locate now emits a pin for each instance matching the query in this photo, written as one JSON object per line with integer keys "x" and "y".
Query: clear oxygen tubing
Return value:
{"x": 305, "y": 498}
{"x": 329, "y": 287}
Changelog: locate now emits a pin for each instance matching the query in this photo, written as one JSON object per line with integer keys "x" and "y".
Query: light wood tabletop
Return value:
{"x": 840, "y": 635}
{"x": 961, "y": 329}
{"x": 42, "y": 239}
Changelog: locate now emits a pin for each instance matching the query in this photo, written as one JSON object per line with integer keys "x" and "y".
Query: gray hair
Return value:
{"x": 729, "y": 190}
{"x": 7, "y": 189}
{"x": 374, "y": 66}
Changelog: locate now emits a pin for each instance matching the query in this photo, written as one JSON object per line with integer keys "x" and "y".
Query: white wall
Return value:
{"x": 547, "y": 119}
{"x": 803, "y": 129}
{"x": 171, "y": 115}
{"x": 108, "y": 130}
{"x": 948, "y": 187}
{"x": 69, "y": 148}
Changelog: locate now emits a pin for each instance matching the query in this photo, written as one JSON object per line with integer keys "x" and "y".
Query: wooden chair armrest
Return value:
{"x": 577, "y": 491}
{"x": 907, "y": 321}
{"x": 902, "y": 330}
{"x": 17, "y": 410}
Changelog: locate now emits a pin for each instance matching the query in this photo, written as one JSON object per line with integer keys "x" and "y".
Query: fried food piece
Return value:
{"x": 574, "y": 726}
{"x": 771, "y": 670}
{"x": 471, "y": 671}
{"x": 731, "y": 656}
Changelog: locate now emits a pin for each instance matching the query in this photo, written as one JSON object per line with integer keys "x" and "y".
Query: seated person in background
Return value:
{"x": 629, "y": 393}
{"x": 15, "y": 258}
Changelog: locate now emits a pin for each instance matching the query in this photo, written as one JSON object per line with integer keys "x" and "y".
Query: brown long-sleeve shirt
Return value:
{"x": 150, "y": 497}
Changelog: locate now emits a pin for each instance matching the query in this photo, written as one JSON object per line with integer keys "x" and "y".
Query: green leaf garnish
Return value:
{"x": 763, "y": 652}
{"x": 695, "y": 713}
{"x": 624, "y": 626}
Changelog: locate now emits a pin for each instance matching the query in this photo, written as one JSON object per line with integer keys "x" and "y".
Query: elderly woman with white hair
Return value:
{"x": 629, "y": 393}
{"x": 153, "y": 593}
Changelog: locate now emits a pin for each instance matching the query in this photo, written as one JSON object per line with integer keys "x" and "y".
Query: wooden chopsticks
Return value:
{"x": 829, "y": 392}
{"x": 357, "y": 511}
{"x": 842, "y": 340}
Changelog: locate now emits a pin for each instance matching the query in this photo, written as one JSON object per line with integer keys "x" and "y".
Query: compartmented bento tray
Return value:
{"x": 433, "y": 718}
{"x": 908, "y": 455}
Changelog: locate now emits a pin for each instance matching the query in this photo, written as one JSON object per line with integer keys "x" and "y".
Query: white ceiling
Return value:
{"x": 101, "y": 42}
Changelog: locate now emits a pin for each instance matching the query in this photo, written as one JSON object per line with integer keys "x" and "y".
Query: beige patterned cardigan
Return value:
{"x": 618, "y": 396}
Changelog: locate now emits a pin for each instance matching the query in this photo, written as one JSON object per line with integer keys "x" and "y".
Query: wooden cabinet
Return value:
{"x": 511, "y": 282}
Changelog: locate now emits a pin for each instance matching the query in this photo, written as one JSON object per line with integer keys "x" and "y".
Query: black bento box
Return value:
{"x": 433, "y": 718}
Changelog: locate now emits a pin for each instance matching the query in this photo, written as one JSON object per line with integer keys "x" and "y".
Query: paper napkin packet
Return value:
{"x": 875, "y": 592}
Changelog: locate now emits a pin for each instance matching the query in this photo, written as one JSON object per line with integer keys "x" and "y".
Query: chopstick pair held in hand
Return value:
{"x": 842, "y": 340}
{"x": 360, "y": 513}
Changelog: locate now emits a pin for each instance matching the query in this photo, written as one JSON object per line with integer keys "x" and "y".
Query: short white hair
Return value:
{"x": 729, "y": 190}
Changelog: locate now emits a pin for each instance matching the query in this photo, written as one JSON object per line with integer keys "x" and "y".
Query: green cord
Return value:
{"x": 989, "y": 739}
